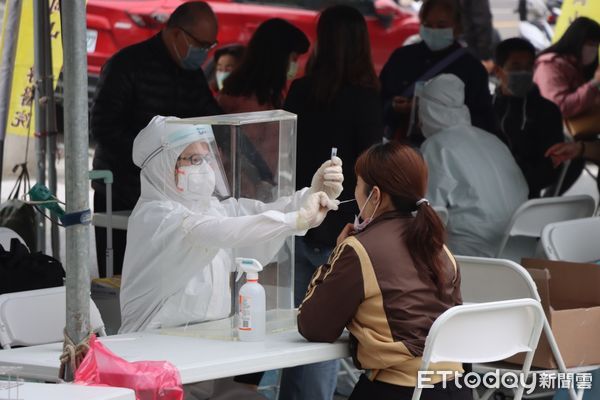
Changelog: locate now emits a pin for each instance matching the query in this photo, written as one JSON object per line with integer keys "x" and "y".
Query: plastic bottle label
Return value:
{"x": 245, "y": 317}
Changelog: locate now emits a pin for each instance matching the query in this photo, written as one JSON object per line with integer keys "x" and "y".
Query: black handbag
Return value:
{"x": 17, "y": 215}
{"x": 21, "y": 270}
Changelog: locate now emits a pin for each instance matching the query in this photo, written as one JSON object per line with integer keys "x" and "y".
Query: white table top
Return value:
{"x": 66, "y": 391}
{"x": 196, "y": 359}
{"x": 119, "y": 219}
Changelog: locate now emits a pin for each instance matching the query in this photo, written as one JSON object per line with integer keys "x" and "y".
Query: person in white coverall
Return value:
{"x": 183, "y": 227}
{"x": 471, "y": 172}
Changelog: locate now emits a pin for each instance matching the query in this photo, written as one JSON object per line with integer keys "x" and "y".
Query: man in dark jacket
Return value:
{"x": 159, "y": 76}
{"x": 529, "y": 123}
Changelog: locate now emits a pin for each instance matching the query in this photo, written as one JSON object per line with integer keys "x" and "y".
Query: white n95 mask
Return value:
{"x": 196, "y": 181}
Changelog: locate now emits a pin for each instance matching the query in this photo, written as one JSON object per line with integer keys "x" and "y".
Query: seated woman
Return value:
{"x": 184, "y": 225}
{"x": 387, "y": 280}
{"x": 567, "y": 72}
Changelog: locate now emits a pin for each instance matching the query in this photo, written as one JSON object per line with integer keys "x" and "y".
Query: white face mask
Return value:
{"x": 196, "y": 182}
{"x": 292, "y": 70}
{"x": 220, "y": 76}
{"x": 359, "y": 226}
{"x": 589, "y": 53}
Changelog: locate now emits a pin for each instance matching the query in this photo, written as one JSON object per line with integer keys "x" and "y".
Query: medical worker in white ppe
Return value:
{"x": 471, "y": 172}
{"x": 180, "y": 234}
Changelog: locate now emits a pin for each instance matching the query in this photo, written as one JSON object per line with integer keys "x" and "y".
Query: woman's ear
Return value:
{"x": 376, "y": 195}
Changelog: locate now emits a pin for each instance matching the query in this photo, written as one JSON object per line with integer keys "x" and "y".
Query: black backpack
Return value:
{"x": 21, "y": 270}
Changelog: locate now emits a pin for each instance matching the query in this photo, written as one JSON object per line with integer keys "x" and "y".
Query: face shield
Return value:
{"x": 186, "y": 165}
{"x": 197, "y": 172}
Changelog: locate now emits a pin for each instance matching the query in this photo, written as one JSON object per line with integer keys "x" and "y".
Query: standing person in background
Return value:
{"x": 259, "y": 82}
{"x": 438, "y": 53}
{"x": 226, "y": 59}
{"x": 530, "y": 123}
{"x": 338, "y": 105}
{"x": 479, "y": 30}
{"x": 161, "y": 75}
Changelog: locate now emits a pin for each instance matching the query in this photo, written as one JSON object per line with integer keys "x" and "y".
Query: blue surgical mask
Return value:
{"x": 437, "y": 39}
{"x": 194, "y": 58}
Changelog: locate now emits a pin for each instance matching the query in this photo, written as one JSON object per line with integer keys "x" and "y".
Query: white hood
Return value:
{"x": 442, "y": 104}
{"x": 156, "y": 149}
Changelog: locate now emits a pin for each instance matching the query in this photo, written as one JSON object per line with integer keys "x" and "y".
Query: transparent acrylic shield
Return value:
{"x": 258, "y": 151}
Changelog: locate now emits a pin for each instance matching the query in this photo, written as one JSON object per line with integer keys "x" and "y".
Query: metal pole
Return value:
{"x": 76, "y": 169}
{"x": 46, "y": 106}
{"x": 7, "y": 64}
{"x": 39, "y": 30}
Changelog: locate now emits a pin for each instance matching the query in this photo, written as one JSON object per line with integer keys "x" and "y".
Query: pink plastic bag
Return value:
{"x": 151, "y": 380}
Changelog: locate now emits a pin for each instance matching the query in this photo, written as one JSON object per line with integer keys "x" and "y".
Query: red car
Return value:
{"x": 112, "y": 25}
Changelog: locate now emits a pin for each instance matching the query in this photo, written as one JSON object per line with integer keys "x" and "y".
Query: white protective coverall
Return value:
{"x": 178, "y": 257}
{"x": 471, "y": 172}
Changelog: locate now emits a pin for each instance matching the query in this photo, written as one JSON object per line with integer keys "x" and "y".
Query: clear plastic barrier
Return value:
{"x": 258, "y": 151}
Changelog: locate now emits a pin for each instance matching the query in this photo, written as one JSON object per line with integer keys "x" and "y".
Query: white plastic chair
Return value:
{"x": 491, "y": 279}
{"x": 477, "y": 333}
{"x": 442, "y": 212}
{"x": 528, "y": 221}
{"x": 6, "y": 235}
{"x": 38, "y": 317}
{"x": 575, "y": 241}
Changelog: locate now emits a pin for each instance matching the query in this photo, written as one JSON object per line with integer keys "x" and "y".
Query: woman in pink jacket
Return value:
{"x": 567, "y": 72}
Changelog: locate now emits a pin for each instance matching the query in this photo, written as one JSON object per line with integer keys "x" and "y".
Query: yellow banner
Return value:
{"x": 22, "y": 108}
{"x": 572, "y": 9}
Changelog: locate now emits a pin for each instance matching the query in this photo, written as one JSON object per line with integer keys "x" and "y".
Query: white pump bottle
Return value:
{"x": 252, "y": 306}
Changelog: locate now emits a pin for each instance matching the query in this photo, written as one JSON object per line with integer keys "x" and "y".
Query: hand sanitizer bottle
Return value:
{"x": 252, "y": 317}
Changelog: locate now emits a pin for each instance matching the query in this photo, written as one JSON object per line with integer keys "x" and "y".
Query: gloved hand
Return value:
{"x": 329, "y": 178}
{"x": 314, "y": 210}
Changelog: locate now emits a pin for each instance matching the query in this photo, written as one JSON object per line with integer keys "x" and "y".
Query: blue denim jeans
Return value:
{"x": 313, "y": 381}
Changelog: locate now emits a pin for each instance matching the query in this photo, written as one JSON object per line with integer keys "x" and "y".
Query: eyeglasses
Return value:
{"x": 197, "y": 159}
{"x": 201, "y": 43}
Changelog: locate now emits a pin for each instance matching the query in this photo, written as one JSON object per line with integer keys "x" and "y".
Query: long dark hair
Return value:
{"x": 342, "y": 54}
{"x": 572, "y": 41}
{"x": 401, "y": 172}
{"x": 263, "y": 69}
